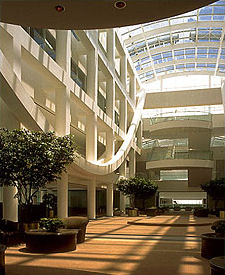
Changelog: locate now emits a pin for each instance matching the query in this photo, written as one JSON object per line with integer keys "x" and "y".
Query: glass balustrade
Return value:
{"x": 164, "y": 117}
{"x": 172, "y": 154}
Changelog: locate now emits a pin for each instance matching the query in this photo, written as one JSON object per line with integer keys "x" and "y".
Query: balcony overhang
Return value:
{"x": 92, "y": 14}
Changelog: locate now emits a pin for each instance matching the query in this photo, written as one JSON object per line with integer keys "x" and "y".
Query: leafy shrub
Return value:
{"x": 51, "y": 225}
{"x": 219, "y": 227}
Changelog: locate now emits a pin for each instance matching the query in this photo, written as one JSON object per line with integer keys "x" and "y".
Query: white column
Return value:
{"x": 62, "y": 196}
{"x": 123, "y": 70}
{"x": 123, "y": 114}
{"x": 223, "y": 93}
{"x": 17, "y": 57}
{"x": 10, "y": 204}
{"x": 92, "y": 75}
{"x": 132, "y": 163}
{"x": 133, "y": 88}
{"x": 139, "y": 135}
{"x": 63, "y": 49}
{"x": 91, "y": 137}
{"x": 123, "y": 172}
{"x": 110, "y": 145}
{"x": 62, "y": 113}
{"x": 110, "y": 97}
{"x": 109, "y": 202}
{"x": 91, "y": 200}
{"x": 111, "y": 46}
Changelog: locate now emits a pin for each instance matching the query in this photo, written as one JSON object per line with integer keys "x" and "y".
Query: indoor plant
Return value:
{"x": 31, "y": 159}
{"x": 50, "y": 237}
{"x": 216, "y": 190}
{"x": 137, "y": 188}
{"x": 51, "y": 224}
{"x": 49, "y": 200}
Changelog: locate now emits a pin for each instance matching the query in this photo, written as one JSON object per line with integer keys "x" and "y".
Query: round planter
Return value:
{"x": 212, "y": 245}
{"x": 151, "y": 212}
{"x": 49, "y": 242}
{"x": 217, "y": 265}
{"x": 132, "y": 212}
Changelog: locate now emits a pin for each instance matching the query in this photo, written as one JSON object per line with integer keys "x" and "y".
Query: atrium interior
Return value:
{"x": 142, "y": 100}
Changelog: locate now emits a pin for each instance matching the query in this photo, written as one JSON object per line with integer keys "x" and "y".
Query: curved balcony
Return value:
{"x": 186, "y": 159}
{"x": 181, "y": 116}
{"x": 168, "y": 123}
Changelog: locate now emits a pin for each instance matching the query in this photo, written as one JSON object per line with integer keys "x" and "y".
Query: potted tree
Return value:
{"x": 31, "y": 159}
{"x": 49, "y": 200}
{"x": 216, "y": 190}
{"x": 137, "y": 188}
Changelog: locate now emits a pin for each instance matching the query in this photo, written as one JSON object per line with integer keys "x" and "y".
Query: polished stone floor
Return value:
{"x": 161, "y": 245}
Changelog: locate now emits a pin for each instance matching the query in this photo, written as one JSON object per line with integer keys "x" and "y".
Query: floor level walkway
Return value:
{"x": 115, "y": 247}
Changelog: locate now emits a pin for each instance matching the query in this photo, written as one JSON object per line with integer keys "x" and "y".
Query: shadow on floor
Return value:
{"x": 27, "y": 270}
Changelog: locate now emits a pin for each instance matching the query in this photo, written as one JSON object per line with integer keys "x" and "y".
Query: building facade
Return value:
{"x": 127, "y": 95}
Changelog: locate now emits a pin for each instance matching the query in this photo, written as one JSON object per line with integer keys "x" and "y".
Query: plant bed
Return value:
{"x": 212, "y": 245}
{"x": 50, "y": 242}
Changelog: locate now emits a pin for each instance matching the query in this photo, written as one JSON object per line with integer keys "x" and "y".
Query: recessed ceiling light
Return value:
{"x": 120, "y": 4}
{"x": 59, "y": 8}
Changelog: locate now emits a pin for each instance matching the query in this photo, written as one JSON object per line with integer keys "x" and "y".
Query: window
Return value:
{"x": 44, "y": 39}
{"x": 101, "y": 102}
{"x": 173, "y": 174}
{"x": 78, "y": 76}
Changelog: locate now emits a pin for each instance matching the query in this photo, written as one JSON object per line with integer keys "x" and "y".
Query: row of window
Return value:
{"x": 188, "y": 53}
{"x": 183, "y": 67}
{"x": 214, "y": 12}
{"x": 167, "y": 39}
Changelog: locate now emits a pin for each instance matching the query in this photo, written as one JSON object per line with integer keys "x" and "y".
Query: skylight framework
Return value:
{"x": 192, "y": 43}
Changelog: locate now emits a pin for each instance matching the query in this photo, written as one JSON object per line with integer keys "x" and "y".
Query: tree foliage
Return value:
{"x": 137, "y": 188}
{"x": 215, "y": 189}
{"x": 31, "y": 159}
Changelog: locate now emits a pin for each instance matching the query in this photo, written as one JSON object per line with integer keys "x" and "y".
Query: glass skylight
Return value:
{"x": 186, "y": 43}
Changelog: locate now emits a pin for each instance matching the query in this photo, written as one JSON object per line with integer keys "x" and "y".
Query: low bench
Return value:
{"x": 77, "y": 222}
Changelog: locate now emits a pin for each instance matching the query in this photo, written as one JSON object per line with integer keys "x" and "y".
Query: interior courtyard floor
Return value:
{"x": 161, "y": 245}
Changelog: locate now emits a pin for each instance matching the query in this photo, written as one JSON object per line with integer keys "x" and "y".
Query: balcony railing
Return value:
{"x": 179, "y": 116}
{"x": 169, "y": 153}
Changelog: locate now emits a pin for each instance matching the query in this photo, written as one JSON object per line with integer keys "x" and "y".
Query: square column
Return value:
{"x": 10, "y": 204}
{"x": 110, "y": 145}
{"x": 91, "y": 200}
{"x": 62, "y": 196}
{"x": 123, "y": 114}
{"x": 123, "y": 71}
{"x": 139, "y": 135}
{"x": 109, "y": 200}
{"x": 62, "y": 113}
{"x": 110, "y": 97}
{"x": 92, "y": 76}
{"x": 132, "y": 163}
{"x": 111, "y": 47}
{"x": 133, "y": 88}
{"x": 63, "y": 49}
{"x": 123, "y": 172}
{"x": 91, "y": 137}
